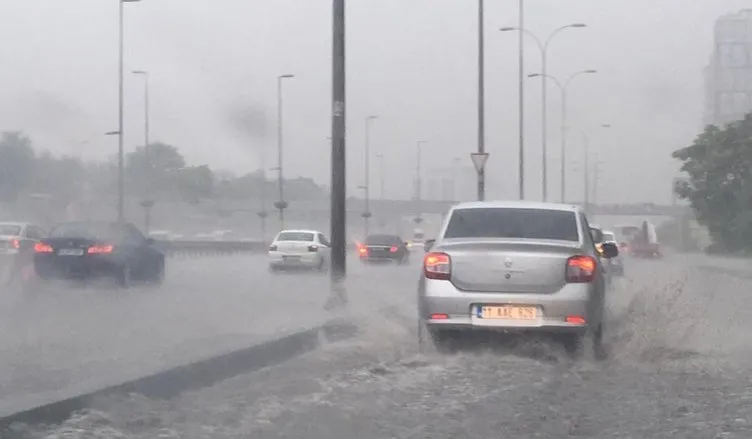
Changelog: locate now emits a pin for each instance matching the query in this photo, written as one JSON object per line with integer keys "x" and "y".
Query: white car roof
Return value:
{"x": 298, "y": 231}
{"x": 517, "y": 204}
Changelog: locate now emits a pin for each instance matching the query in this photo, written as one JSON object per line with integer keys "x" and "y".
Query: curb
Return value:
{"x": 171, "y": 382}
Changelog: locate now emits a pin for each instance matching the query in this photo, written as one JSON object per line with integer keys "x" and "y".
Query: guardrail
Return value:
{"x": 210, "y": 248}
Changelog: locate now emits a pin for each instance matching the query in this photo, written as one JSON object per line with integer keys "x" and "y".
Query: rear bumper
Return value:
{"x": 283, "y": 260}
{"x": 556, "y": 312}
{"x": 79, "y": 268}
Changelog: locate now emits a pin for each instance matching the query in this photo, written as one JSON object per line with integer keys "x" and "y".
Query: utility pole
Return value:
{"x": 281, "y": 204}
{"x": 339, "y": 183}
{"x": 521, "y": 103}
{"x": 586, "y": 161}
{"x": 367, "y": 186}
{"x": 481, "y": 100}
{"x": 418, "y": 181}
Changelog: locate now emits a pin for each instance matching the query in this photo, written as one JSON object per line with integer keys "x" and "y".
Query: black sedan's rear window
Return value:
{"x": 383, "y": 240}
{"x": 87, "y": 230}
{"x": 517, "y": 223}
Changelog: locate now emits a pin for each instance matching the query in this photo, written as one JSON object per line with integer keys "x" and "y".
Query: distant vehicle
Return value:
{"x": 616, "y": 264}
{"x": 85, "y": 250}
{"x": 418, "y": 239}
{"x": 307, "y": 249}
{"x": 644, "y": 244}
{"x": 514, "y": 266}
{"x": 624, "y": 234}
{"x": 17, "y": 241}
{"x": 384, "y": 248}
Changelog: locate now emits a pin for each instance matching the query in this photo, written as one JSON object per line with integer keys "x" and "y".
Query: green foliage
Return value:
{"x": 719, "y": 189}
{"x": 16, "y": 164}
{"x": 158, "y": 172}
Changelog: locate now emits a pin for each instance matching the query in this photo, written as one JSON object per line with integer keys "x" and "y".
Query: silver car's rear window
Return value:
{"x": 295, "y": 236}
{"x": 513, "y": 223}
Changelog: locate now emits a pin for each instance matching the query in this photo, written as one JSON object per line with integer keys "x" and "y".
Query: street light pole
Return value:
{"x": 543, "y": 46}
{"x": 147, "y": 203}
{"x": 455, "y": 163}
{"x": 380, "y": 156}
{"x": 563, "y": 88}
{"x": 145, "y": 74}
{"x": 521, "y": 104}
{"x": 481, "y": 100}
{"x": 281, "y": 204}
{"x": 121, "y": 106}
{"x": 586, "y": 161}
{"x": 367, "y": 186}
{"x": 339, "y": 183}
{"x": 418, "y": 181}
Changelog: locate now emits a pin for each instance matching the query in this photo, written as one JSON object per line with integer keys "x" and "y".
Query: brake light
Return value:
{"x": 581, "y": 269}
{"x": 576, "y": 320}
{"x": 437, "y": 266}
{"x": 439, "y": 316}
{"x": 272, "y": 248}
{"x": 16, "y": 244}
{"x": 313, "y": 248}
{"x": 41, "y": 247}
{"x": 362, "y": 250}
{"x": 394, "y": 249}
{"x": 99, "y": 249}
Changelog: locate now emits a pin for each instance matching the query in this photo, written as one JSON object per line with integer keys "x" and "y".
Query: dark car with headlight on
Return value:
{"x": 88, "y": 250}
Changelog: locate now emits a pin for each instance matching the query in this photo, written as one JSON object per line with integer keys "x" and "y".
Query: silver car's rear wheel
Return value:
{"x": 577, "y": 344}
{"x": 444, "y": 340}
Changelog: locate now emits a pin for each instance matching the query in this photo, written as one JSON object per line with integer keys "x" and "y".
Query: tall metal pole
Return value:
{"x": 481, "y": 100}
{"x": 586, "y": 161}
{"x": 281, "y": 204}
{"x": 121, "y": 128}
{"x": 339, "y": 184}
{"x": 563, "y": 141}
{"x": 367, "y": 172}
{"x": 544, "y": 125}
{"x": 418, "y": 178}
{"x": 455, "y": 163}
{"x": 521, "y": 108}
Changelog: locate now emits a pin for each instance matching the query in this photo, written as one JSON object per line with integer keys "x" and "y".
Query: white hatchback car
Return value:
{"x": 307, "y": 249}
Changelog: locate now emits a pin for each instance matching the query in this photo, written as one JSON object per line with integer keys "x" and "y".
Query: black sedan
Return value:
{"x": 384, "y": 248}
{"x": 92, "y": 250}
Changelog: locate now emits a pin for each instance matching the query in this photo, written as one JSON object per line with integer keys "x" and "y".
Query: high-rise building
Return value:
{"x": 728, "y": 76}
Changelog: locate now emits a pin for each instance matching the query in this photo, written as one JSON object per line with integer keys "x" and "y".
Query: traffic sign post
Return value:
{"x": 479, "y": 162}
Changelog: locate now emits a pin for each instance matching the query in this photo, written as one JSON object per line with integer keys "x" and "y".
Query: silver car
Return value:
{"x": 514, "y": 266}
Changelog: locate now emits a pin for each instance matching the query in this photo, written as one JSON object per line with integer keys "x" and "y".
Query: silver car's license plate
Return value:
{"x": 71, "y": 252}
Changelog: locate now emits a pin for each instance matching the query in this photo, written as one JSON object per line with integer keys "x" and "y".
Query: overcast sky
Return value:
{"x": 214, "y": 65}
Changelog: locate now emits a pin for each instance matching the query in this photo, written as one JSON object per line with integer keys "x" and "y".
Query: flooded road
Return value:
{"x": 678, "y": 367}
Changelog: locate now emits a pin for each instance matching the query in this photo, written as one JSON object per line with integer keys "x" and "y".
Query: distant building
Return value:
{"x": 728, "y": 76}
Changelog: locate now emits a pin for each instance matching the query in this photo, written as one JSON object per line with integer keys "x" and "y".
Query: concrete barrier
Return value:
{"x": 203, "y": 373}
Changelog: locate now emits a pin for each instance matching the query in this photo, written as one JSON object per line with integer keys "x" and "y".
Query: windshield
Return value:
{"x": 383, "y": 240}
{"x": 513, "y": 223}
{"x": 295, "y": 236}
{"x": 87, "y": 230}
{"x": 9, "y": 230}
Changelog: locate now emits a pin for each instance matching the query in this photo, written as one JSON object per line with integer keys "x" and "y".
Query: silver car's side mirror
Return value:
{"x": 428, "y": 244}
